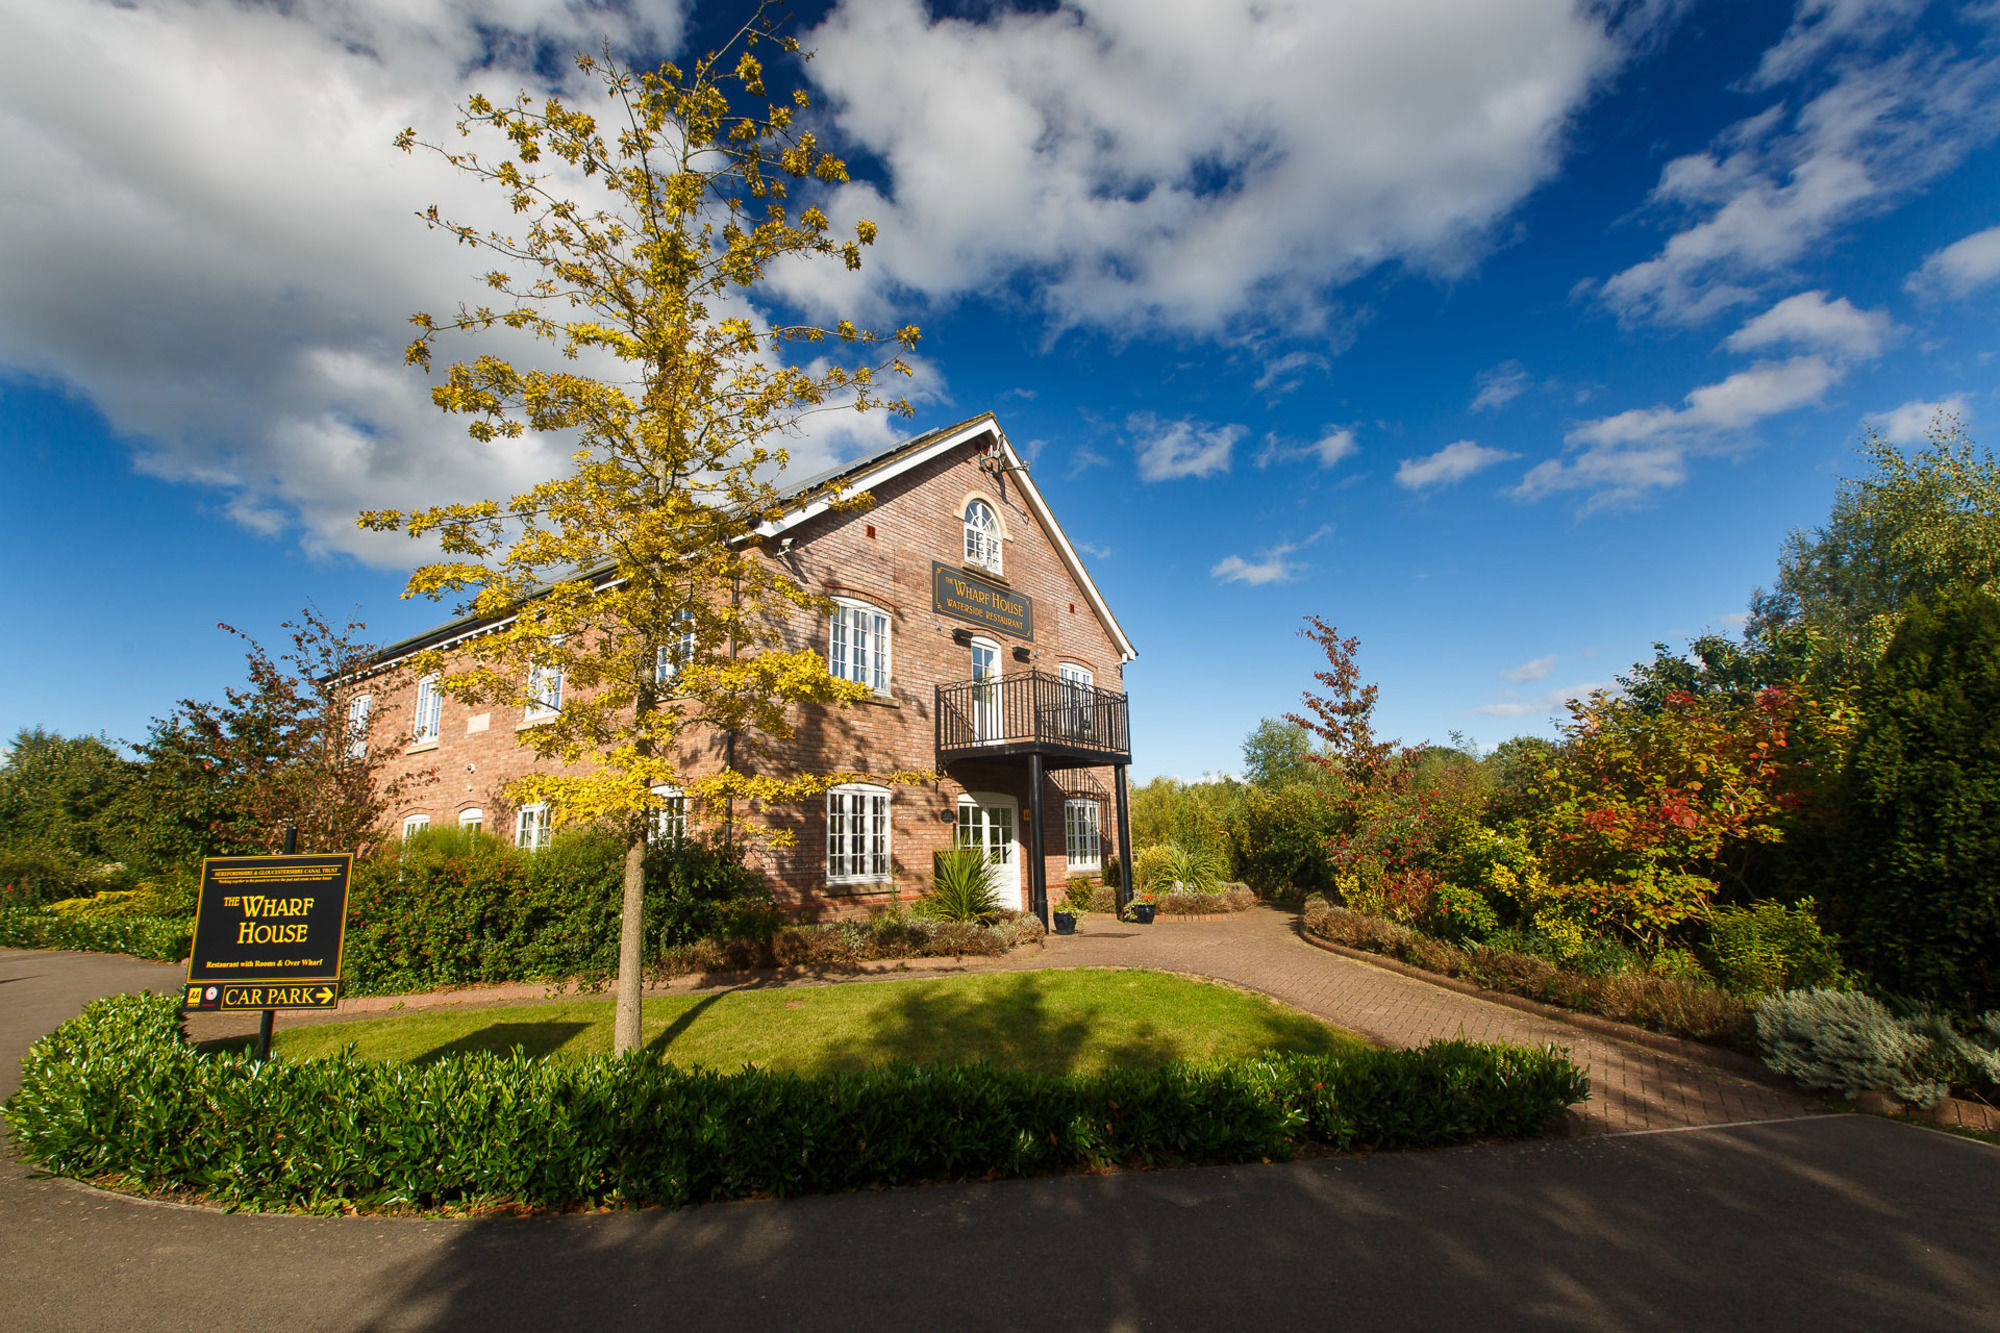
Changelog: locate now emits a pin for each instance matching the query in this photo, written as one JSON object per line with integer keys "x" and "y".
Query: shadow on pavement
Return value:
{"x": 1840, "y": 1222}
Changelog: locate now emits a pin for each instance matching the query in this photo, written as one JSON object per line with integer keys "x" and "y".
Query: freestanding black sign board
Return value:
{"x": 268, "y": 932}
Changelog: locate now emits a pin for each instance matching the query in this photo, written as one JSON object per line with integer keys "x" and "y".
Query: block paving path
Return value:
{"x": 1633, "y": 1087}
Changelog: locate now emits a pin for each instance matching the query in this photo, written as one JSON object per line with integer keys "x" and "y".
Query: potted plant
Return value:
{"x": 1140, "y": 908}
{"x": 1071, "y": 907}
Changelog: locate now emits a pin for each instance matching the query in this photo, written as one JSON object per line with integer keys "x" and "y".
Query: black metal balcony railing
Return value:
{"x": 1029, "y": 711}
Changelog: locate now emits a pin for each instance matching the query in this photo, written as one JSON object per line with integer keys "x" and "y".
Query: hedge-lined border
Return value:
{"x": 116, "y": 1094}
{"x": 165, "y": 939}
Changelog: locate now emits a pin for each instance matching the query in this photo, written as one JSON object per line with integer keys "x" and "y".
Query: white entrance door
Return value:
{"x": 986, "y": 721}
{"x": 989, "y": 821}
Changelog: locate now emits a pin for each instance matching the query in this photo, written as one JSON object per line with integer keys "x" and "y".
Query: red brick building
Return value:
{"x": 991, "y": 658}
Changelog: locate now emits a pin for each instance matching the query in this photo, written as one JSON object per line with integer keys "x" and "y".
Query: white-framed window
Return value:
{"x": 858, "y": 644}
{"x": 357, "y": 725}
{"x": 982, "y": 536}
{"x": 857, "y": 834}
{"x": 472, "y": 817}
{"x": 531, "y": 826}
{"x": 430, "y": 710}
{"x": 1081, "y": 837}
{"x": 545, "y": 688}
{"x": 415, "y": 824}
{"x": 670, "y": 821}
{"x": 674, "y": 654}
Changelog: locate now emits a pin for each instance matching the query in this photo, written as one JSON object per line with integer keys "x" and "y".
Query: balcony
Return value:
{"x": 1069, "y": 724}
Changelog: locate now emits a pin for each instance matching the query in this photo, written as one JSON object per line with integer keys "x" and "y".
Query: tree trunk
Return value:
{"x": 625, "y": 1031}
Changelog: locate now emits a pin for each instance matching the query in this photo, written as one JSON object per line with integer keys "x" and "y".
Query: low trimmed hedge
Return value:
{"x": 1671, "y": 1005}
{"x": 117, "y": 1093}
{"x": 166, "y": 938}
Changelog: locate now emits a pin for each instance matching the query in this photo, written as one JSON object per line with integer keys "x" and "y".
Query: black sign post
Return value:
{"x": 268, "y": 933}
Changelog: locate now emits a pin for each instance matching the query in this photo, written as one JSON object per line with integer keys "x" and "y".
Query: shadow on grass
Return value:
{"x": 1010, "y": 1023}
{"x": 658, "y": 1045}
{"x": 537, "y": 1039}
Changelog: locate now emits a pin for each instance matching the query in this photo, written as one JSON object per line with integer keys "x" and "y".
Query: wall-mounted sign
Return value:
{"x": 268, "y": 932}
{"x": 962, "y": 596}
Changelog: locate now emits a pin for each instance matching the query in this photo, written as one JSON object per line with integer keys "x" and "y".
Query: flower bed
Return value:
{"x": 1677, "y": 1007}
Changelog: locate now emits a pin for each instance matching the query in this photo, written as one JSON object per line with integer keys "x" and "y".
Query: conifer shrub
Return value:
{"x": 116, "y": 1094}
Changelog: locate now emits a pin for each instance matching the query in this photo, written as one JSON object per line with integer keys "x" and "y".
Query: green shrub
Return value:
{"x": 962, "y": 887}
{"x": 1460, "y": 913}
{"x": 166, "y": 939}
{"x": 34, "y": 876}
{"x": 452, "y": 907}
{"x": 1768, "y": 947}
{"x": 116, "y": 1092}
{"x": 1190, "y": 869}
{"x": 1149, "y": 864}
{"x": 1227, "y": 898}
{"x": 1918, "y": 908}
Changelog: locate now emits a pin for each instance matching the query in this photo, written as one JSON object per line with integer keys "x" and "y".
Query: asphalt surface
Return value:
{"x": 1831, "y": 1222}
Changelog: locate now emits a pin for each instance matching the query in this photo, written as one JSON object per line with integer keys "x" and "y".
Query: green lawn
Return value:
{"x": 1055, "y": 1021}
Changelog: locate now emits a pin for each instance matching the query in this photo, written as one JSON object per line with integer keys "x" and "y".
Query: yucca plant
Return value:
{"x": 1194, "y": 869}
{"x": 962, "y": 887}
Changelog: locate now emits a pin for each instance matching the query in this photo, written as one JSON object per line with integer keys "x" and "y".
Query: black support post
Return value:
{"x": 264, "y": 1021}
{"x": 1124, "y": 894}
{"x": 1037, "y": 844}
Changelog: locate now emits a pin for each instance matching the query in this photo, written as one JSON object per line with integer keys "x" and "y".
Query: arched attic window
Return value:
{"x": 982, "y": 536}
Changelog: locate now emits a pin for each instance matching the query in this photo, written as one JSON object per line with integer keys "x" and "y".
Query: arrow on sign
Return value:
{"x": 323, "y": 994}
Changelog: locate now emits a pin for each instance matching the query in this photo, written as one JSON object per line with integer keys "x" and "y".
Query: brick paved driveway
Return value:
{"x": 1632, "y": 1087}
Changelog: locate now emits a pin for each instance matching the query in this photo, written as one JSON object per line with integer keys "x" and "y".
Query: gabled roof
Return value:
{"x": 813, "y": 496}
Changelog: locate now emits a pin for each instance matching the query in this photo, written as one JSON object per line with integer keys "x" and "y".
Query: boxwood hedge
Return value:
{"x": 118, "y": 1093}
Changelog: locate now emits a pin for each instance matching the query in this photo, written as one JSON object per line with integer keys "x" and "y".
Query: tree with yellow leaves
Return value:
{"x": 634, "y": 579}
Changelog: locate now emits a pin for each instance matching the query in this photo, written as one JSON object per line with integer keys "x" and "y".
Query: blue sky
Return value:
{"x": 1510, "y": 336}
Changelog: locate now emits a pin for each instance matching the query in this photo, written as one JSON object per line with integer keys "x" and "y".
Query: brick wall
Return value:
{"x": 881, "y": 555}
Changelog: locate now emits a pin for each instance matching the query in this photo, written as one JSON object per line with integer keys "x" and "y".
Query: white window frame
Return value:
{"x": 545, "y": 691}
{"x": 532, "y": 826}
{"x": 860, "y": 644}
{"x": 1085, "y": 835}
{"x": 358, "y": 709}
{"x": 670, "y": 821}
{"x": 430, "y": 711}
{"x": 1079, "y": 688}
{"x": 415, "y": 824}
{"x": 988, "y": 699}
{"x": 472, "y": 817}
{"x": 863, "y": 855}
{"x": 673, "y": 655}
{"x": 1009, "y": 867}
{"x": 982, "y": 538}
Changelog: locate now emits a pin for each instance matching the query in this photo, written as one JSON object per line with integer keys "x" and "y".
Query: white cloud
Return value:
{"x": 1273, "y": 567}
{"x": 1547, "y": 705}
{"x": 1194, "y": 164}
{"x": 1624, "y": 458}
{"x": 1169, "y": 450}
{"x": 1500, "y": 385}
{"x": 1812, "y": 322}
{"x": 1535, "y": 670}
{"x": 1911, "y": 422}
{"x": 1881, "y": 124}
{"x": 225, "y": 247}
{"x": 1285, "y": 373}
{"x": 1961, "y": 267}
{"x": 1733, "y": 619}
{"x": 1453, "y": 463}
{"x": 1329, "y": 450}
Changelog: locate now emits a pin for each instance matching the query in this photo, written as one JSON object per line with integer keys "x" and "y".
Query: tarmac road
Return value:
{"x": 1829, "y": 1222}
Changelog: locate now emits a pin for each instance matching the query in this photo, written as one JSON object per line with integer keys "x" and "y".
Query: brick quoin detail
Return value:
{"x": 916, "y": 517}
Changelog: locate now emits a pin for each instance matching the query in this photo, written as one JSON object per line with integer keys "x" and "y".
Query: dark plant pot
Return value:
{"x": 1142, "y": 913}
{"x": 1065, "y": 924}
